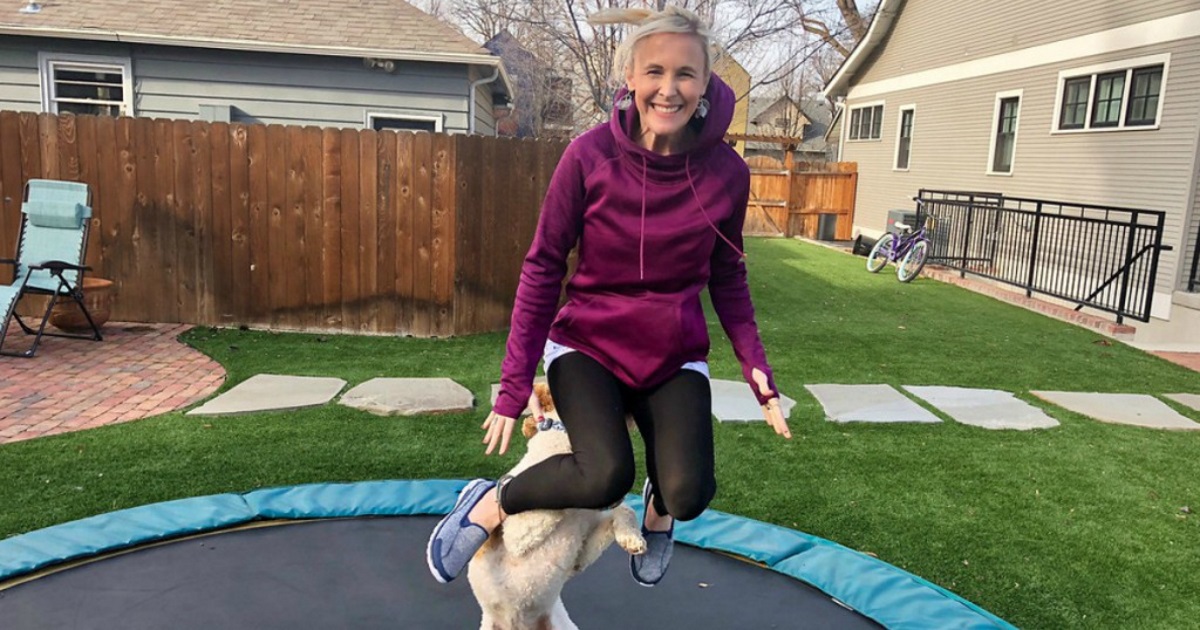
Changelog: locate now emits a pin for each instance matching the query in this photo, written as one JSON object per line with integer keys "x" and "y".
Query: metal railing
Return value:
{"x": 1097, "y": 256}
{"x": 1194, "y": 279}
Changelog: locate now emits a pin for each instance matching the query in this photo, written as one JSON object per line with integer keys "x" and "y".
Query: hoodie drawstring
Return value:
{"x": 687, "y": 166}
{"x": 642, "y": 238}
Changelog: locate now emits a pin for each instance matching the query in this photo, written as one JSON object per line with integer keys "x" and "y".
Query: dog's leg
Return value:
{"x": 626, "y": 530}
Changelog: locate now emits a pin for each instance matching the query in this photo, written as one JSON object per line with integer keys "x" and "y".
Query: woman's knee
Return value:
{"x": 687, "y": 497}
{"x": 608, "y": 483}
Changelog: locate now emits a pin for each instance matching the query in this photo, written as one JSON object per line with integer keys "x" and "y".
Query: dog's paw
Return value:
{"x": 632, "y": 542}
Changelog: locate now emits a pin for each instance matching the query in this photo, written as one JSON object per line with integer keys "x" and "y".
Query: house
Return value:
{"x": 737, "y": 78}
{"x": 354, "y": 63}
{"x": 1085, "y": 101}
{"x": 542, "y": 106}
{"x": 781, "y": 116}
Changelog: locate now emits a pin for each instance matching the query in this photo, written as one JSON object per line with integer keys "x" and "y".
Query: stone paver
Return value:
{"x": 984, "y": 408}
{"x": 272, "y": 392}
{"x": 409, "y": 396}
{"x": 869, "y": 403}
{"x": 1140, "y": 410}
{"x": 137, "y": 371}
{"x": 734, "y": 402}
{"x": 1191, "y": 400}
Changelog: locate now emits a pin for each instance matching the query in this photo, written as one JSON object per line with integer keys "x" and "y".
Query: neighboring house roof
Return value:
{"x": 881, "y": 26}
{"x": 391, "y": 29}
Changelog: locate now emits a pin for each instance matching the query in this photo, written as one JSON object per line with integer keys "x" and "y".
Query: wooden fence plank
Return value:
{"x": 277, "y": 235}
{"x": 368, "y": 177}
{"x": 220, "y": 294}
{"x": 48, "y": 140}
{"x": 442, "y": 239}
{"x": 314, "y": 228}
{"x": 331, "y": 229}
{"x": 422, "y": 231}
{"x": 97, "y": 169}
{"x": 405, "y": 244}
{"x": 385, "y": 230}
{"x": 259, "y": 244}
{"x": 240, "y": 225}
{"x": 11, "y": 186}
{"x": 166, "y": 227}
{"x": 294, "y": 251}
{"x": 128, "y": 251}
{"x": 351, "y": 209}
{"x": 467, "y": 231}
{"x": 202, "y": 219}
{"x": 184, "y": 213}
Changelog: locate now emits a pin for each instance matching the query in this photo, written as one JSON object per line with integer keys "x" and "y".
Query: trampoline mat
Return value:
{"x": 371, "y": 573}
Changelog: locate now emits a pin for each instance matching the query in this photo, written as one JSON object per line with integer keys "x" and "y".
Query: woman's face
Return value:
{"x": 667, "y": 79}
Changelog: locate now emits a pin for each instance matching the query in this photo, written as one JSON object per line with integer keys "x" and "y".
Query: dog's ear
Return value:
{"x": 529, "y": 427}
{"x": 542, "y": 391}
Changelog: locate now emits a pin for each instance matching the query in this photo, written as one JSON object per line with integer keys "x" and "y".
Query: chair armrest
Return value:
{"x": 59, "y": 266}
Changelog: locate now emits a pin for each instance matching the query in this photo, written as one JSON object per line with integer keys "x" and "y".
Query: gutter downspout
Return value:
{"x": 471, "y": 97}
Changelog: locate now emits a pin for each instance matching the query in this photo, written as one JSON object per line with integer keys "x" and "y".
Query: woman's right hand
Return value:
{"x": 499, "y": 428}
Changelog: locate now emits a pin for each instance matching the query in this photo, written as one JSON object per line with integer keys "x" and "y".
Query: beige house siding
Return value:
{"x": 935, "y": 33}
{"x": 1149, "y": 169}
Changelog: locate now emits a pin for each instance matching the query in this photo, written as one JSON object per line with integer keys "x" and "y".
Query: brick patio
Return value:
{"x": 139, "y": 370}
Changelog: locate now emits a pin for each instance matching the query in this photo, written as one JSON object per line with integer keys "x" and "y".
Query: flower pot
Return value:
{"x": 97, "y": 296}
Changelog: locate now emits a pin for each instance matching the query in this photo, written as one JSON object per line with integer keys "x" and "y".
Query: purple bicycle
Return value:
{"x": 908, "y": 250}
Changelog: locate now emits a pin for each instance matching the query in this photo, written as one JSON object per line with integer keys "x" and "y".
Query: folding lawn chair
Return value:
{"x": 50, "y": 254}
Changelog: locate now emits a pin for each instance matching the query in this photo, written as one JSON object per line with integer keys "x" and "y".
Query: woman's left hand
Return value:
{"x": 772, "y": 411}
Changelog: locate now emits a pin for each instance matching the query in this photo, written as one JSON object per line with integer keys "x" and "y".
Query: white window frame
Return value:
{"x": 1128, "y": 65}
{"x": 900, "y": 129}
{"x": 995, "y": 127}
{"x": 47, "y": 61}
{"x": 436, "y": 119}
{"x": 882, "y": 105}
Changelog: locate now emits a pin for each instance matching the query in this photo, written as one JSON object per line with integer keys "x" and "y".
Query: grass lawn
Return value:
{"x": 1079, "y": 526}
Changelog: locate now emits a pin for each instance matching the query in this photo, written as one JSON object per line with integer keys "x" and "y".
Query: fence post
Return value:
{"x": 1037, "y": 230}
{"x": 966, "y": 250}
{"x": 1129, "y": 243}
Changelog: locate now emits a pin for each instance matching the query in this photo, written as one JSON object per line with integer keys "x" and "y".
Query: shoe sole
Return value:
{"x": 462, "y": 496}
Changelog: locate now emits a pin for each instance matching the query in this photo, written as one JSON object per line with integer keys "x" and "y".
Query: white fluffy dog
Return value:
{"x": 519, "y": 574}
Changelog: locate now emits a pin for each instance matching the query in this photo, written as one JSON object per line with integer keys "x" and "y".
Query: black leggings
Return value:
{"x": 675, "y": 420}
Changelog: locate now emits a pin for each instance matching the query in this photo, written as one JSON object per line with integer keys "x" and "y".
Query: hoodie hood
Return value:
{"x": 712, "y": 127}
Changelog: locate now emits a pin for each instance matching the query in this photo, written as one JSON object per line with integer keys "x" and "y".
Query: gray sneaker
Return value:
{"x": 650, "y": 567}
{"x": 456, "y": 539}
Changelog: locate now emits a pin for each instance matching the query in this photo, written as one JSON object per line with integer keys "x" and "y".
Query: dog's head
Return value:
{"x": 546, "y": 434}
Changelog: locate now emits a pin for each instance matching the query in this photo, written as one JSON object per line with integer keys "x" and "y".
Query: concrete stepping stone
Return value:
{"x": 409, "y": 396}
{"x": 272, "y": 392}
{"x": 985, "y": 408}
{"x": 869, "y": 403}
{"x": 1141, "y": 410}
{"x": 734, "y": 402}
{"x": 1191, "y": 400}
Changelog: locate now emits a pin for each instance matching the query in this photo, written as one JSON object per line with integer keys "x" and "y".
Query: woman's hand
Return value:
{"x": 499, "y": 428}
{"x": 772, "y": 411}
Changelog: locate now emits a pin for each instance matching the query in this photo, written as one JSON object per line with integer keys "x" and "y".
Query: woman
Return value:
{"x": 655, "y": 201}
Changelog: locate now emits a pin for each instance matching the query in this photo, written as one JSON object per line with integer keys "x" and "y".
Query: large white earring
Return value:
{"x": 625, "y": 102}
{"x": 702, "y": 108}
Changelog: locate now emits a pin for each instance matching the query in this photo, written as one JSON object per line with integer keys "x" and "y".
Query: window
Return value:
{"x": 80, "y": 84}
{"x": 904, "y": 137}
{"x": 1113, "y": 96}
{"x": 1004, "y": 137}
{"x": 403, "y": 122}
{"x": 866, "y": 122}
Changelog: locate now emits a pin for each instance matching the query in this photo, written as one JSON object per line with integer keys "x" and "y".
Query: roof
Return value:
{"x": 391, "y": 29}
{"x": 881, "y": 26}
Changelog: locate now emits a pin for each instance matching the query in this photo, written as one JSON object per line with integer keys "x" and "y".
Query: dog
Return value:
{"x": 519, "y": 574}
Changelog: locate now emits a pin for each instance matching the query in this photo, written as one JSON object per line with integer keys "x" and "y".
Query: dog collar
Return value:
{"x": 550, "y": 424}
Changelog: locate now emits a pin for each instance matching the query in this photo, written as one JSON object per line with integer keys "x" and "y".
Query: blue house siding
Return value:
{"x": 267, "y": 88}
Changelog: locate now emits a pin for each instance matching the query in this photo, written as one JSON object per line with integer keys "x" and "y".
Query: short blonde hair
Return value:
{"x": 669, "y": 20}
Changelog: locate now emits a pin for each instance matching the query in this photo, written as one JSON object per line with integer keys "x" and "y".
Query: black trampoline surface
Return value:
{"x": 370, "y": 573}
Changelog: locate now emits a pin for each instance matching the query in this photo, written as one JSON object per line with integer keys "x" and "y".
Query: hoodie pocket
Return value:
{"x": 641, "y": 339}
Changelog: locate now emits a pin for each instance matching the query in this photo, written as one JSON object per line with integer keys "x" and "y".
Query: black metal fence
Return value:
{"x": 1194, "y": 279}
{"x": 1096, "y": 256}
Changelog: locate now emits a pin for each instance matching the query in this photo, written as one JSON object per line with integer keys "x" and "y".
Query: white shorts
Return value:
{"x": 554, "y": 350}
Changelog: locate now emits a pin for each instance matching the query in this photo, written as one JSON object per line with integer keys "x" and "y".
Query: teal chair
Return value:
{"x": 50, "y": 254}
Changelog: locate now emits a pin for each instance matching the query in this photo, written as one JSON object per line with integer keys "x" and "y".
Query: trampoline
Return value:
{"x": 352, "y": 556}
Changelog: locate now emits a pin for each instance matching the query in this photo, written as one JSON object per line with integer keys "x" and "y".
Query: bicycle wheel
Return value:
{"x": 913, "y": 262}
{"x": 880, "y": 253}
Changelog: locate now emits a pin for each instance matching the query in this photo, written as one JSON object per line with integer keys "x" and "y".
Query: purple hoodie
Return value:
{"x": 653, "y": 230}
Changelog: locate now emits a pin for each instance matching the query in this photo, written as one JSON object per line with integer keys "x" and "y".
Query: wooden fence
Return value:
{"x": 790, "y": 201}
{"x": 292, "y": 228}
